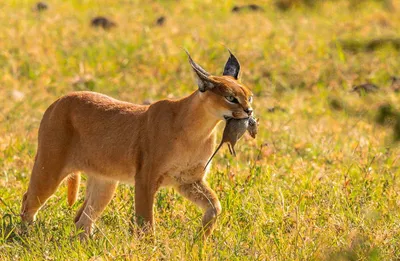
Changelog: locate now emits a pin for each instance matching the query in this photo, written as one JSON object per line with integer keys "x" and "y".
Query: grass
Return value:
{"x": 319, "y": 183}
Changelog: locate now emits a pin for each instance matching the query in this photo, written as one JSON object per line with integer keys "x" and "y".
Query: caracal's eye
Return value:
{"x": 231, "y": 99}
{"x": 251, "y": 99}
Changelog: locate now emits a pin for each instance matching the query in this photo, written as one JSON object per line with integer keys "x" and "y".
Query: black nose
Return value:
{"x": 249, "y": 111}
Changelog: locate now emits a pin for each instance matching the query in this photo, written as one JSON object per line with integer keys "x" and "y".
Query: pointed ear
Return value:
{"x": 203, "y": 78}
{"x": 232, "y": 66}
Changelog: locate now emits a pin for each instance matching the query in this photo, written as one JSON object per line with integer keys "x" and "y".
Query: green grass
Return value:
{"x": 319, "y": 183}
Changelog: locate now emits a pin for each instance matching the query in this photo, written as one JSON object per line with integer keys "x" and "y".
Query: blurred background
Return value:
{"x": 319, "y": 182}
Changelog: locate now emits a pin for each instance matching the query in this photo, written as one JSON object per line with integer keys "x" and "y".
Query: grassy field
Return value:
{"x": 319, "y": 182}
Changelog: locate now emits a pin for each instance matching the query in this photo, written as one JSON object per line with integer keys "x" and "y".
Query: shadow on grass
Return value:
{"x": 385, "y": 116}
{"x": 370, "y": 45}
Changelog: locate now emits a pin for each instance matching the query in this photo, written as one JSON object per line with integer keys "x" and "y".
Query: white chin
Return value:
{"x": 226, "y": 115}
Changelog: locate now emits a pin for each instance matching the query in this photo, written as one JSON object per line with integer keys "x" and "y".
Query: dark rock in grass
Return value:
{"x": 365, "y": 88}
{"x": 236, "y": 9}
{"x": 101, "y": 21}
{"x": 250, "y": 7}
{"x": 41, "y": 6}
{"x": 254, "y": 7}
{"x": 160, "y": 20}
{"x": 284, "y": 5}
{"x": 336, "y": 104}
{"x": 395, "y": 86}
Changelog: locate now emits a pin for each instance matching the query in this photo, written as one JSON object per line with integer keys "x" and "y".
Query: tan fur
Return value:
{"x": 166, "y": 143}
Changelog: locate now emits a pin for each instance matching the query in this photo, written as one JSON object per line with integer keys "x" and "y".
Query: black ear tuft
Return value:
{"x": 203, "y": 80}
{"x": 232, "y": 66}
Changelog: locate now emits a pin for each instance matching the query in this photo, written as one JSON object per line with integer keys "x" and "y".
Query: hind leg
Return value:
{"x": 46, "y": 176}
{"x": 98, "y": 194}
{"x": 233, "y": 152}
{"x": 232, "y": 149}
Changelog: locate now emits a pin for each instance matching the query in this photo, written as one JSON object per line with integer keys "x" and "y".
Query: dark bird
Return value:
{"x": 160, "y": 20}
{"x": 40, "y": 6}
{"x": 365, "y": 88}
{"x": 101, "y": 21}
{"x": 395, "y": 84}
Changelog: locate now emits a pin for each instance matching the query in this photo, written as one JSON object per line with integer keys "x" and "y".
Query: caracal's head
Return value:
{"x": 224, "y": 95}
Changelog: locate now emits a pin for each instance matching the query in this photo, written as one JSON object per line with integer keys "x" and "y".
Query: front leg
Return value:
{"x": 203, "y": 196}
{"x": 144, "y": 199}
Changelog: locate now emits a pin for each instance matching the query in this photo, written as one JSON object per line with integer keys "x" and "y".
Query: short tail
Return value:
{"x": 73, "y": 187}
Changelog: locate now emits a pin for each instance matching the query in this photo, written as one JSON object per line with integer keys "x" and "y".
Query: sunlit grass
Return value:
{"x": 320, "y": 181}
